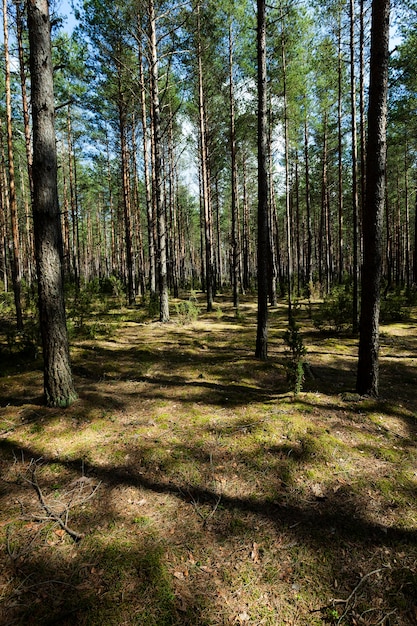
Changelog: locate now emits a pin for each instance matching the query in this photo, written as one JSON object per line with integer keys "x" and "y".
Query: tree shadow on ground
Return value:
{"x": 340, "y": 517}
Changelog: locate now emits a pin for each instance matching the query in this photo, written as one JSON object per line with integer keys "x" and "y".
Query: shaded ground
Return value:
{"x": 204, "y": 491}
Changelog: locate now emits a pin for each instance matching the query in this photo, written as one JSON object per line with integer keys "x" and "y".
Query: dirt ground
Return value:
{"x": 189, "y": 485}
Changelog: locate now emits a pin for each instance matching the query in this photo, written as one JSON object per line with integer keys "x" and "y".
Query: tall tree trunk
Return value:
{"x": 415, "y": 241}
{"x": 27, "y": 131}
{"x": 340, "y": 152}
{"x": 263, "y": 237}
{"x": 247, "y": 266}
{"x": 287, "y": 172}
{"x": 355, "y": 205}
{"x": 235, "y": 207}
{"x": 58, "y": 383}
{"x": 141, "y": 283}
{"x": 309, "y": 277}
{"x": 16, "y": 278}
{"x": 368, "y": 362}
{"x": 407, "y": 222}
{"x": 148, "y": 191}
{"x": 4, "y": 212}
{"x": 160, "y": 209}
{"x": 362, "y": 100}
{"x": 205, "y": 179}
{"x": 127, "y": 210}
{"x": 76, "y": 260}
{"x": 25, "y": 106}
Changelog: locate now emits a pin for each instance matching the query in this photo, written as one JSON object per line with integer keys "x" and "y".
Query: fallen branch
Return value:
{"x": 50, "y": 514}
{"x": 362, "y": 580}
{"x": 75, "y": 497}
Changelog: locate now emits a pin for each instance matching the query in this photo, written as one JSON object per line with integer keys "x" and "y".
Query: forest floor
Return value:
{"x": 193, "y": 488}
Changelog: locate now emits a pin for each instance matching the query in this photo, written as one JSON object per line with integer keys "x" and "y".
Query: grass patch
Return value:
{"x": 223, "y": 499}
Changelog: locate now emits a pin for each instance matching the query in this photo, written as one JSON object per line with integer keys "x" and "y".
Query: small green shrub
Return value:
{"x": 6, "y": 302}
{"x": 25, "y": 342}
{"x": 218, "y": 311}
{"x": 81, "y": 309}
{"x": 393, "y": 307}
{"x": 112, "y": 286}
{"x": 187, "y": 311}
{"x": 295, "y": 362}
{"x": 335, "y": 312}
{"x": 151, "y": 302}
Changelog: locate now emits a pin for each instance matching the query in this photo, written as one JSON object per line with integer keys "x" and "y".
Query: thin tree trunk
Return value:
{"x": 308, "y": 208}
{"x": 340, "y": 155}
{"x": 235, "y": 208}
{"x": 160, "y": 210}
{"x": 263, "y": 237}
{"x": 126, "y": 192}
{"x": 407, "y": 222}
{"x": 4, "y": 212}
{"x": 362, "y": 101}
{"x": 148, "y": 190}
{"x": 74, "y": 207}
{"x": 16, "y": 277}
{"x": 287, "y": 173}
{"x": 207, "y": 211}
{"x": 247, "y": 268}
{"x": 138, "y": 223}
{"x": 355, "y": 205}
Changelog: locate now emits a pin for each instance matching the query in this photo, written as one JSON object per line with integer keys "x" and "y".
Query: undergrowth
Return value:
{"x": 223, "y": 498}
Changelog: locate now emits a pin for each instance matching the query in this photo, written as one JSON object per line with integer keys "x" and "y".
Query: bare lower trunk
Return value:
{"x": 263, "y": 239}
{"x": 58, "y": 384}
{"x": 368, "y": 364}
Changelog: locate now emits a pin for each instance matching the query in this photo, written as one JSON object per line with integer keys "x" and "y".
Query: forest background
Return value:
{"x": 192, "y": 483}
{"x": 188, "y": 200}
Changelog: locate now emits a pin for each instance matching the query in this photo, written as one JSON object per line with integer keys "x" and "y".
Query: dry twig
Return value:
{"x": 74, "y": 497}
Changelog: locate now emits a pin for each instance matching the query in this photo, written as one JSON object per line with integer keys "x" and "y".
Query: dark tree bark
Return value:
{"x": 149, "y": 204}
{"x": 16, "y": 277}
{"x": 368, "y": 370}
{"x": 355, "y": 201}
{"x": 263, "y": 239}
{"x": 340, "y": 151}
{"x": 235, "y": 205}
{"x": 308, "y": 270}
{"x": 205, "y": 176}
{"x": 127, "y": 209}
{"x": 58, "y": 383}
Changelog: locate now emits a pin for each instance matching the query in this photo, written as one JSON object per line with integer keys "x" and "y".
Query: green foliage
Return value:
{"x": 393, "y": 306}
{"x": 335, "y": 312}
{"x": 295, "y": 363}
{"x": 25, "y": 342}
{"x": 187, "y": 310}
{"x": 87, "y": 302}
{"x": 82, "y": 307}
{"x": 151, "y": 302}
{"x": 6, "y": 302}
{"x": 112, "y": 286}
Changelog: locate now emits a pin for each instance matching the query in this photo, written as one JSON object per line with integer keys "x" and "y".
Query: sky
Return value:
{"x": 64, "y": 8}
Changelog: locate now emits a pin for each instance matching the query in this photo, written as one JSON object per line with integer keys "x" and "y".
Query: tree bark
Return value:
{"x": 263, "y": 239}
{"x": 127, "y": 210}
{"x": 368, "y": 362}
{"x": 16, "y": 279}
{"x": 149, "y": 204}
{"x": 58, "y": 384}
{"x": 205, "y": 178}
{"x": 160, "y": 209}
{"x": 355, "y": 204}
{"x": 235, "y": 205}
